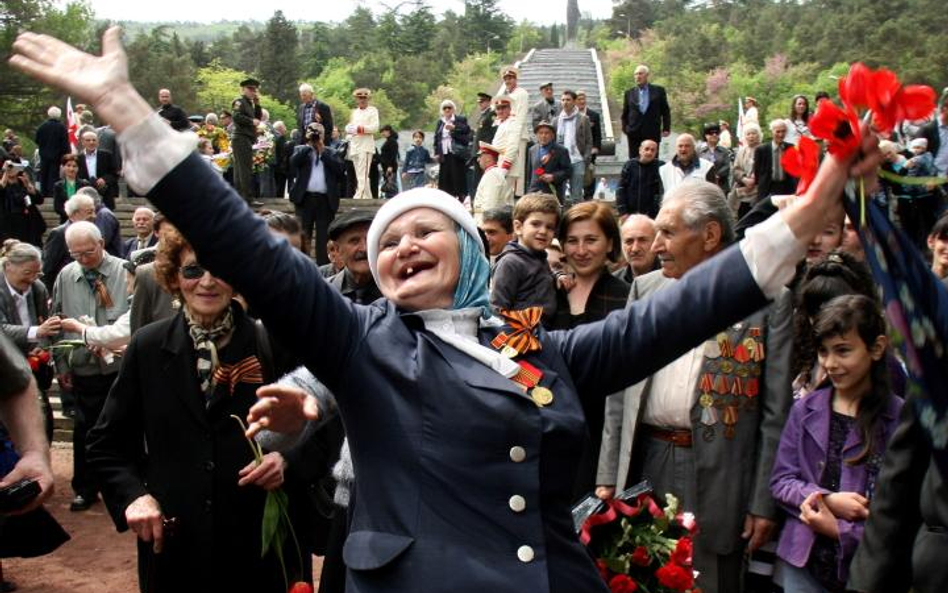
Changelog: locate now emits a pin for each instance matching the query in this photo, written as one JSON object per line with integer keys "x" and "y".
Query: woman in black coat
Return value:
{"x": 67, "y": 187}
{"x": 452, "y": 141}
{"x": 167, "y": 451}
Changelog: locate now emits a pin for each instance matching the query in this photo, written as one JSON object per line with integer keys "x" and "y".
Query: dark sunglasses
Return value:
{"x": 192, "y": 272}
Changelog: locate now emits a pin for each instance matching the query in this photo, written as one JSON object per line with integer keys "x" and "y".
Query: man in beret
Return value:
{"x": 355, "y": 281}
{"x": 247, "y": 115}
{"x": 549, "y": 163}
{"x": 361, "y": 129}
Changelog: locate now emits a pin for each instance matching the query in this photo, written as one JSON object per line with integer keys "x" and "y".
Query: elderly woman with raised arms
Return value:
{"x": 464, "y": 429}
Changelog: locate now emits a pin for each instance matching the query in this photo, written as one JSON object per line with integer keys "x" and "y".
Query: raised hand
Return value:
{"x": 281, "y": 408}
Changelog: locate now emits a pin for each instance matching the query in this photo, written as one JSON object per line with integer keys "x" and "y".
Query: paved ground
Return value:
{"x": 96, "y": 560}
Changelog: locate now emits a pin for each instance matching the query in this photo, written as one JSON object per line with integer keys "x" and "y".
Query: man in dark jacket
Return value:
{"x": 315, "y": 192}
{"x": 483, "y": 132}
{"x": 312, "y": 110}
{"x": 171, "y": 112}
{"x": 247, "y": 115}
{"x": 552, "y": 158}
{"x": 645, "y": 111}
{"x": 595, "y": 123}
{"x": 640, "y": 186}
{"x": 98, "y": 168}
{"x": 52, "y": 140}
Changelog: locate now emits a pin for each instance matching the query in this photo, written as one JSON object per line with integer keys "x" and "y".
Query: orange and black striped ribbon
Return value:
{"x": 522, "y": 324}
{"x": 247, "y": 370}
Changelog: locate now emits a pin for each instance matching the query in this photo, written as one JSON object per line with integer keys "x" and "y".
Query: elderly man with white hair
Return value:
{"x": 91, "y": 288}
{"x": 312, "y": 110}
{"x": 52, "y": 141}
{"x": 55, "y": 253}
{"x": 143, "y": 220}
{"x": 685, "y": 165}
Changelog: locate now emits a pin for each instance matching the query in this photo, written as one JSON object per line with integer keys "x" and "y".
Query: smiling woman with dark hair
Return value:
{"x": 465, "y": 429}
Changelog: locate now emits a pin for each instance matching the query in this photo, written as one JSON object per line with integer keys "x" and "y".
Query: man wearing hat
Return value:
{"x": 361, "y": 129}
{"x": 719, "y": 157}
{"x": 316, "y": 171}
{"x": 549, "y": 162}
{"x": 546, "y": 108}
{"x": 483, "y": 131}
{"x": 506, "y": 137}
{"x": 247, "y": 115}
{"x": 492, "y": 191}
{"x": 355, "y": 281}
{"x": 519, "y": 99}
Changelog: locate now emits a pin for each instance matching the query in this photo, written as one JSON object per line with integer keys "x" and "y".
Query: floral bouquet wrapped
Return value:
{"x": 639, "y": 546}
{"x": 263, "y": 150}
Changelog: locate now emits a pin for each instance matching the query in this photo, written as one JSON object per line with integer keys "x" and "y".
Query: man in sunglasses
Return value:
{"x": 91, "y": 288}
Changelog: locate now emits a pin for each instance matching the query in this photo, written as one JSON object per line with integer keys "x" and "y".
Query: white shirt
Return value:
{"x": 91, "y": 160}
{"x": 23, "y": 310}
{"x": 317, "y": 177}
{"x": 671, "y": 394}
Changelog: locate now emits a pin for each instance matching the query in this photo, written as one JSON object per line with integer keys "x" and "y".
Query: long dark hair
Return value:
{"x": 838, "y": 274}
{"x": 860, "y": 313}
{"x": 793, "y": 109}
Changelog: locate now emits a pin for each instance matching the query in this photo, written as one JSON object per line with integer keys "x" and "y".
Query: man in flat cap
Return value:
{"x": 519, "y": 108}
{"x": 247, "y": 114}
{"x": 361, "y": 129}
{"x": 492, "y": 191}
{"x": 546, "y": 109}
{"x": 355, "y": 281}
{"x": 549, "y": 163}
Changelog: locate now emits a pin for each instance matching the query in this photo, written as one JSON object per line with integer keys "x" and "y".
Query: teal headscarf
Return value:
{"x": 471, "y": 290}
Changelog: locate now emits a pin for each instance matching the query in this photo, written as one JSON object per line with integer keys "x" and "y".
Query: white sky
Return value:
{"x": 537, "y": 11}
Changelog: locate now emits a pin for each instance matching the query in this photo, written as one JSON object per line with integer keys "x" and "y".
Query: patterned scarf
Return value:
{"x": 102, "y": 296}
{"x": 205, "y": 346}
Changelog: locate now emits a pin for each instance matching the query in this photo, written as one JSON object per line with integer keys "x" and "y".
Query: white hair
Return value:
{"x": 280, "y": 126}
{"x": 211, "y": 118}
{"x": 82, "y": 229}
{"x": 752, "y": 127}
{"x": 635, "y": 218}
{"x": 643, "y": 68}
{"x": 79, "y": 200}
{"x": 448, "y": 103}
{"x": 702, "y": 202}
{"x": 779, "y": 123}
{"x": 54, "y": 112}
{"x": 306, "y": 88}
{"x": 20, "y": 253}
{"x": 145, "y": 210}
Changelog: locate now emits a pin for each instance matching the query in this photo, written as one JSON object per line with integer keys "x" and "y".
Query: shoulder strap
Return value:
{"x": 264, "y": 351}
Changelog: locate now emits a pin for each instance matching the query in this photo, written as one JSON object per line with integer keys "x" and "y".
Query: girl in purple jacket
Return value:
{"x": 832, "y": 447}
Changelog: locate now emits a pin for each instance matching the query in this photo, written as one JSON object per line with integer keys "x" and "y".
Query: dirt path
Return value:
{"x": 96, "y": 560}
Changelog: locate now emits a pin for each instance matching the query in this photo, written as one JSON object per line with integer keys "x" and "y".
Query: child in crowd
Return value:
{"x": 831, "y": 449}
{"x": 413, "y": 171}
{"x": 918, "y": 207}
{"x": 522, "y": 277}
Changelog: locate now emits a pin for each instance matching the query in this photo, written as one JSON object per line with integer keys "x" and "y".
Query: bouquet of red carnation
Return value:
{"x": 639, "y": 546}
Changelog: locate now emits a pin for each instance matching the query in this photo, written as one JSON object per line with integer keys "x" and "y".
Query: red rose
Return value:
{"x": 301, "y": 587}
{"x": 539, "y": 171}
{"x": 43, "y": 356}
{"x": 640, "y": 556}
{"x": 622, "y": 583}
{"x": 675, "y": 577}
{"x": 603, "y": 570}
{"x": 34, "y": 363}
{"x": 682, "y": 553}
{"x": 840, "y": 128}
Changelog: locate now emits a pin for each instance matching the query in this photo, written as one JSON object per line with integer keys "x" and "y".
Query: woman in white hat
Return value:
{"x": 464, "y": 428}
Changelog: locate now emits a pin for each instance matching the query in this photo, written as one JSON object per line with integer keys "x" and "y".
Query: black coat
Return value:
{"x": 485, "y": 127}
{"x": 301, "y": 168}
{"x": 640, "y": 188}
{"x": 558, "y": 165}
{"x": 59, "y": 196}
{"x": 460, "y": 135}
{"x": 105, "y": 169}
{"x": 55, "y": 255}
{"x": 764, "y": 171}
{"x": 595, "y": 122}
{"x": 52, "y": 140}
{"x": 190, "y": 465}
{"x": 930, "y": 132}
{"x": 655, "y": 120}
{"x": 175, "y": 116}
{"x": 131, "y": 245}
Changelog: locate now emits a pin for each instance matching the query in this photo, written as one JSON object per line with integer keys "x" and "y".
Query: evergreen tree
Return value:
{"x": 279, "y": 62}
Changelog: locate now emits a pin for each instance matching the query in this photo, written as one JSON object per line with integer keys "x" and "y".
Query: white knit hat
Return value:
{"x": 420, "y": 197}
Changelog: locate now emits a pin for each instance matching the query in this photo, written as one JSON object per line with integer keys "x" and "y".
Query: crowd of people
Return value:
{"x": 438, "y": 384}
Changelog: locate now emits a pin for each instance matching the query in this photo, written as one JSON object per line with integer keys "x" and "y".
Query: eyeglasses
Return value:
{"x": 82, "y": 254}
{"x": 192, "y": 272}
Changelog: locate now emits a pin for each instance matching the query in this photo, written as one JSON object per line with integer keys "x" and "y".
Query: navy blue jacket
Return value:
{"x": 440, "y": 443}
{"x": 640, "y": 188}
{"x": 301, "y": 166}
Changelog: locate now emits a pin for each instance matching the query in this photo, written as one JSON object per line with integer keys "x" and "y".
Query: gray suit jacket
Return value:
{"x": 11, "y": 324}
{"x": 150, "y": 302}
{"x": 733, "y": 474}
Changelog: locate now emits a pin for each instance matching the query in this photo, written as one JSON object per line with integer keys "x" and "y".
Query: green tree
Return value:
{"x": 219, "y": 86}
{"x": 159, "y": 61}
{"x": 279, "y": 61}
{"x": 247, "y": 44}
{"x": 485, "y": 25}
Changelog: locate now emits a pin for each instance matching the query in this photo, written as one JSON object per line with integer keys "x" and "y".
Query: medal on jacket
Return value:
{"x": 521, "y": 338}
{"x": 528, "y": 377}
